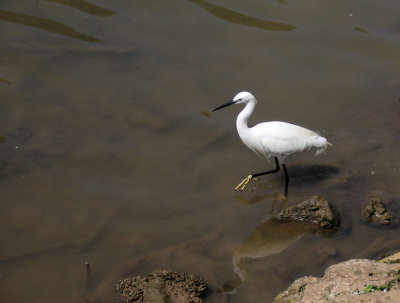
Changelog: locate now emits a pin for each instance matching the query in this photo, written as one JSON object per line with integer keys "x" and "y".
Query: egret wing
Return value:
{"x": 286, "y": 146}
{"x": 281, "y": 138}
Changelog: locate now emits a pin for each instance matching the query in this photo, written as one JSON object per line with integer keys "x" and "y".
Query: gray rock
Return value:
{"x": 316, "y": 210}
{"x": 376, "y": 212}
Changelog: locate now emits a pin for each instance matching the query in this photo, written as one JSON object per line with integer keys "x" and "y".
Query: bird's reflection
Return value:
{"x": 278, "y": 200}
{"x": 269, "y": 238}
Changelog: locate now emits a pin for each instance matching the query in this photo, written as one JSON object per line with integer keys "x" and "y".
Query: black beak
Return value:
{"x": 224, "y": 105}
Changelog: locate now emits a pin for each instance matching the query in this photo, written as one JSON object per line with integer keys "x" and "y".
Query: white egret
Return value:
{"x": 272, "y": 139}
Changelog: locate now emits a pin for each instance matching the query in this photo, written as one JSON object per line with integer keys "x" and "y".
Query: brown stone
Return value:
{"x": 376, "y": 212}
{"x": 353, "y": 281}
{"x": 162, "y": 286}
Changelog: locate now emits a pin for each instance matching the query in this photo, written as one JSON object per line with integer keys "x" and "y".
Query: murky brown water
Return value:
{"x": 108, "y": 153}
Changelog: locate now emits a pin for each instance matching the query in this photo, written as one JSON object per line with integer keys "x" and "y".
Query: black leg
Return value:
{"x": 286, "y": 174}
{"x": 277, "y": 168}
{"x": 253, "y": 176}
{"x": 286, "y": 179}
{"x": 286, "y": 189}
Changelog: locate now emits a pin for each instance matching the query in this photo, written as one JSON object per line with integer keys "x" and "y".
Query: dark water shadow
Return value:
{"x": 308, "y": 175}
{"x": 311, "y": 174}
{"x": 86, "y": 7}
{"x": 45, "y": 24}
{"x": 240, "y": 18}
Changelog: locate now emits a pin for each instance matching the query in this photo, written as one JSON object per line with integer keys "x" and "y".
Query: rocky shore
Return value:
{"x": 355, "y": 280}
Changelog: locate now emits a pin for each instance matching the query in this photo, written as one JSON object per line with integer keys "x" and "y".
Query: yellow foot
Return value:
{"x": 245, "y": 181}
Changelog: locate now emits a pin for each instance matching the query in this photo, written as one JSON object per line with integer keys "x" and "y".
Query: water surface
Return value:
{"x": 109, "y": 153}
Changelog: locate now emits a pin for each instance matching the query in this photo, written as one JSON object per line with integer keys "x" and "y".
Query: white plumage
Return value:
{"x": 280, "y": 139}
{"x": 272, "y": 139}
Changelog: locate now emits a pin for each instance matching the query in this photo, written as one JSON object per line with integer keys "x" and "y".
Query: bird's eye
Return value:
{"x": 239, "y": 99}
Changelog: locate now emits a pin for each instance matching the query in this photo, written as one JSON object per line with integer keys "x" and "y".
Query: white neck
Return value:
{"x": 244, "y": 115}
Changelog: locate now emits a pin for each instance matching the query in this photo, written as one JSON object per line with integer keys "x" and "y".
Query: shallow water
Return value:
{"x": 109, "y": 154}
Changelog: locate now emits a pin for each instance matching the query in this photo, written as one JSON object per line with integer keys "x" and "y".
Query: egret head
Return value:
{"x": 242, "y": 97}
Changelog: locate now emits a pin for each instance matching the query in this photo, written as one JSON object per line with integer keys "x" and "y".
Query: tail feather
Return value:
{"x": 323, "y": 143}
{"x": 320, "y": 151}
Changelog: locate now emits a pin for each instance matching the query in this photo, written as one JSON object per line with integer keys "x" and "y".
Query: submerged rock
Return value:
{"x": 162, "y": 286}
{"x": 316, "y": 210}
{"x": 356, "y": 281}
{"x": 376, "y": 212}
